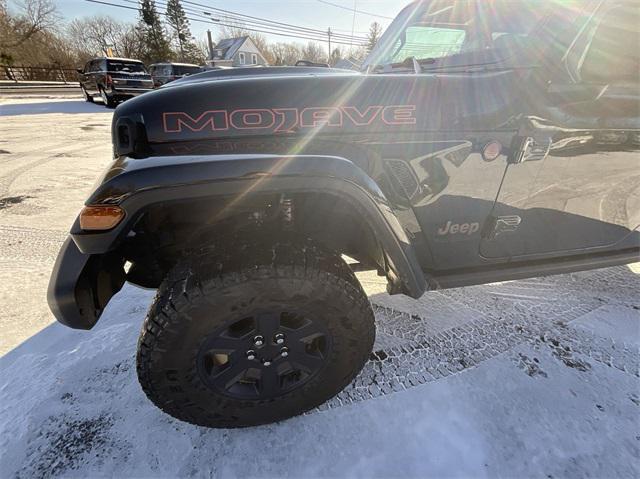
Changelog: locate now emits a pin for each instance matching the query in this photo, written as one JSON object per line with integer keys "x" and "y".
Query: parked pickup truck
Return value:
{"x": 484, "y": 141}
{"x": 114, "y": 80}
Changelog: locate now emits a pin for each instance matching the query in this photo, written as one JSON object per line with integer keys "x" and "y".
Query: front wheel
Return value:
{"x": 254, "y": 336}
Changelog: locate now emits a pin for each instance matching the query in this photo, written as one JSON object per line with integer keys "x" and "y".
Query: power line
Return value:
{"x": 213, "y": 21}
{"x": 353, "y": 22}
{"x": 252, "y": 18}
{"x": 362, "y": 12}
{"x": 260, "y": 26}
{"x": 347, "y": 31}
{"x": 242, "y": 23}
{"x": 263, "y": 22}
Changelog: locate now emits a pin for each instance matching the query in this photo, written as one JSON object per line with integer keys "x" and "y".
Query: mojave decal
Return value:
{"x": 284, "y": 120}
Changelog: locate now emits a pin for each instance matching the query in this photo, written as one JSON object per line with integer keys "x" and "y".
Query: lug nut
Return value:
{"x": 267, "y": 363}
{"x": 279, "y": 338}
{"x": 284, "y": 352}
{"x": 251, "y": 355}
{"x": 258, "y": 340}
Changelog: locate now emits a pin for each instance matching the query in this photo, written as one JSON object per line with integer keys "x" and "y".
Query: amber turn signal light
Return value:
{"x": 100, "y": 218}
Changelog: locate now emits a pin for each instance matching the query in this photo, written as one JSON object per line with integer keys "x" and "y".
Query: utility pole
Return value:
{"x": 210, "y": 44}
{"x": 353, "y": 23}
{"x": 329, "y": 38}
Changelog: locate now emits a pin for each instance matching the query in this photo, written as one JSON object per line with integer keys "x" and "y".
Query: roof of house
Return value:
{"x": 229, "y": 47}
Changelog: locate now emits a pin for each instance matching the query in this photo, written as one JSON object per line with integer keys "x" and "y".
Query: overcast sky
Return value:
{"x": 309, "y": 13}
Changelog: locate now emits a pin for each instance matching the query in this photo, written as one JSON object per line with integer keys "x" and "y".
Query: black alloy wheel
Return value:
{"x": 264, "y": 356}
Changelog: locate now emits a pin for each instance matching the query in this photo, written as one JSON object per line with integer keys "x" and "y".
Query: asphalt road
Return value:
{"x": 22, "y": 90}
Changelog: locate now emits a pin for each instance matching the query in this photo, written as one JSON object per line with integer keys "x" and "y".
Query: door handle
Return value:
{"x": 531, "y": 149}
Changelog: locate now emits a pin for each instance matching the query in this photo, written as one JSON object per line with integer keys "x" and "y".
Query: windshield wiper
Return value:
{"x": 412, "y": 63}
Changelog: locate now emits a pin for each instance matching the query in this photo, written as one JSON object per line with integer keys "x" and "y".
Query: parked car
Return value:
{"x": 114, "y": 79}
{"x": 163, "y": 73}
{"x": 308, "y": 63}
{"x": 484, "y": 142}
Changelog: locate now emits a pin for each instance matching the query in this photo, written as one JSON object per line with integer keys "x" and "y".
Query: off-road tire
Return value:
{"x": 88, "y": 98}
{"x": 207, "y": 290}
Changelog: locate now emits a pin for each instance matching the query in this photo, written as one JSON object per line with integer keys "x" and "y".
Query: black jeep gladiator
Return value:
{"x": 483, "y": 141}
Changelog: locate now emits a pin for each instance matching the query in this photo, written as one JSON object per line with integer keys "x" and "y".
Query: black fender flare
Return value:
{"x": 135, "y": 184}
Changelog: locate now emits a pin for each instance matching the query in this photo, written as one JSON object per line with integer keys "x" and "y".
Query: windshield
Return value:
{"x": 486, "y": 30}
{"x": 126, "y": 67}
{"x": 180, "y": 70}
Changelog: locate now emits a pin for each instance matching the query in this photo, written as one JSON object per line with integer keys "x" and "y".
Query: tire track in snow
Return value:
{"x": 504, "y": 320}
{"x": 30, "y": 243}
{"x": 12, "y": 175}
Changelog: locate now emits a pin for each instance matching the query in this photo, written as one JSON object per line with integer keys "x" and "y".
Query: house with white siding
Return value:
{"x": 236, "y": 52}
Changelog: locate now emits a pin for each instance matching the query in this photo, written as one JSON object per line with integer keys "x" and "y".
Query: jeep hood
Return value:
{"x": 327, "y": 104}
{"x": 229, "y": 73}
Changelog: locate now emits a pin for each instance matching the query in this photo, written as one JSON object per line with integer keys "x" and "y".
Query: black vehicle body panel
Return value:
{"x": 408, "y": 151}
{"x": 81, "y": 285}
{"x": 256, "y": 71}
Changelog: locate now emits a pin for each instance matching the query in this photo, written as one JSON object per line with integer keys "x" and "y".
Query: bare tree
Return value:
{"x": 131, "y": 42}
{"x": 359, "y": 54}
{"x": 50, "y": 45}
{"x": 92, "y": 36}
{"x": 232, "y": 32}
{"x": 314, "y": 53}
{"x": 284, "y": 53}
{"x": 32, "y": 17}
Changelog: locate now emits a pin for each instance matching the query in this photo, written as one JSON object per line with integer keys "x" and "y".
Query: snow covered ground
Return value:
{"x": 534, "y": 378}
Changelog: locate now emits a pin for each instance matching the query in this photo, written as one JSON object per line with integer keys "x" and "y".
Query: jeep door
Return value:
{"x": 573, "y": 183}
{"x": 452, "y": 170}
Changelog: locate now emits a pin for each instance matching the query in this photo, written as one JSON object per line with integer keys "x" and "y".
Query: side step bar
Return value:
{"x": 513, "y": 271}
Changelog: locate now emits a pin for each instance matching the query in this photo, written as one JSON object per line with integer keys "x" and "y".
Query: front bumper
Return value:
{"x": 81, "y": 285}
{"x": 121, "y": 91}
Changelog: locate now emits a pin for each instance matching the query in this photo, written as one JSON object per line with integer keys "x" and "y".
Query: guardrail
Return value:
{"x": 49, "y": 73}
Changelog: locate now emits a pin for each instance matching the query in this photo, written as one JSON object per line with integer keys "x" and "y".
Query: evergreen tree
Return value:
{"x": 374, "y": 35}
{"x": 179, "y": 23}
{"x": 156, "y": 47}
{"x": 336, "y": 56}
